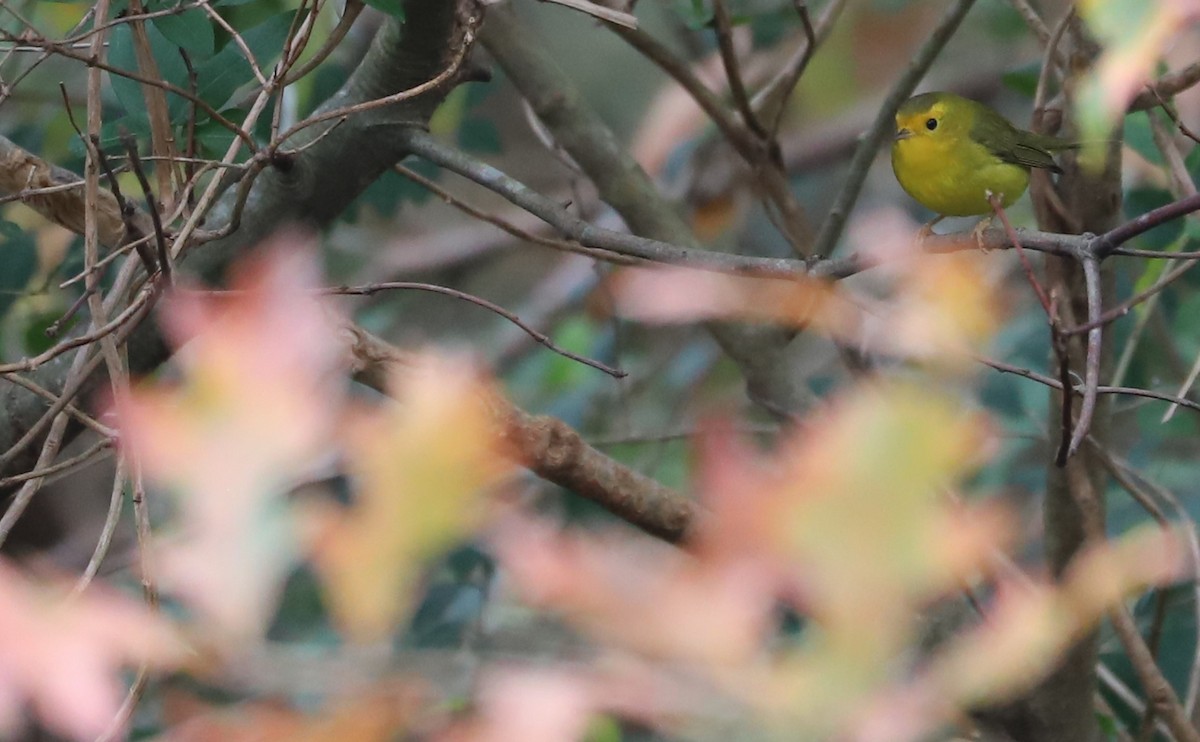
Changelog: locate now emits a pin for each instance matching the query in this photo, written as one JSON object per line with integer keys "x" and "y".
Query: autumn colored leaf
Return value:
{"x": 64, "y": 656}
{"x": 641, "y": 594}
{"x": 532, "y": 706}
{"x": 253, "y": 411}
{"x": 420, "y": 465}
{"x": 936, "y": 308}
{"x": 688, "y": 295}
{"x": 1030, "y": 624}
{"x": 557, "y": 704}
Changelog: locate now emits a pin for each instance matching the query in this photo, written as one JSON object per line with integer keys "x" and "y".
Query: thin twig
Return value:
{"x": 772, "y": 101}
{"x": 428, "y": 147}
{"x": 349, "y": 14}
{"x": 1158, "y": 689}
{"x": 1129, "y": 391}
{"x": 160, "y": 241}
{"x": 540, "y": 337}
{"x": 723, "y": 26}
{"x": 1103, "y": 245}
{"x": 756, "y": 151}
{"x": 565, "y": 245}
{"x": 80, "y": 416}
{"x": 91, "y": 61}
{"x": 1042, "y": 297}
{"x": 66, "y": 465}
{"x": 442, "y": 78}
{"x": 128, "y": 315}
{"x": 116, "y": 499}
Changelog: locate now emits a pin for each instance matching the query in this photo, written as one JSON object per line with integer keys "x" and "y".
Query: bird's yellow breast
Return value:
{"x": 952, "y": 176}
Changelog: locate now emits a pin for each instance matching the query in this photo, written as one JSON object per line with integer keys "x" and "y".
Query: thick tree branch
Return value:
{"x": 549, "y": 448}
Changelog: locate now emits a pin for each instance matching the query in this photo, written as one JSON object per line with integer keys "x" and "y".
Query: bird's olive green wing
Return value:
{"x": 1011, "y": 144}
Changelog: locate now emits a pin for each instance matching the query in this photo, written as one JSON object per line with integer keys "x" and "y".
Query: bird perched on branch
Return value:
{"x": 951, "y": 153}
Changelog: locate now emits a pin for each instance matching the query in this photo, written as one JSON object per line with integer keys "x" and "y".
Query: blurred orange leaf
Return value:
{"x": 421, "y": 464}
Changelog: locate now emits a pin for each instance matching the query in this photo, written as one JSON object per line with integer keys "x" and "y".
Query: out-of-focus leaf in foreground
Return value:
{"x": 532, "y": 706}
{"x": 929, "y": 307}
{"x": 688, "y": 295}
{"x": 545, "y": 704}
{"x": 660, "y": 601}
{"x": 370, "y": 714}
{"x": 851, "y": 521}
{"x": 1135, "y": 34}
{"x": 64, "y": 656}
{"x": 255, "y": 405}
{"x": 421, "y": 465}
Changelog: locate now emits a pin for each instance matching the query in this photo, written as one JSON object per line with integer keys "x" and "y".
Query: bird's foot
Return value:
{"x": 977, "y": 233}
{"x": 927, "y": 229}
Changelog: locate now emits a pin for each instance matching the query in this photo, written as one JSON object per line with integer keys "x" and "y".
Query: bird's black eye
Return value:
{"x": 931, "y": 124}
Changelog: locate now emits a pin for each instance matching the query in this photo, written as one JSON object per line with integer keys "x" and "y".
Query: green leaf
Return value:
{"x": 166, "y": 55}
{"x": 227, "y": 70}
{"x": 695, "y": 15}
{"x": 1138, "y": 136}
{"x": 191, "y": 31}
{"x": 18, "y": 256}
{"x": 394, "y": 8}
{"x": 10, "y": 230}
{"x": 213, "y": 139}
{"x": 603, "y": 729}
{"x": 480, "y": 135}
{"x": 1140, "y": 200}
{"x": 390, "y": 189}
{"x": 1192, "y": 162}
{"x": 1023, "y": 79}
{"x": 135, "y": 123}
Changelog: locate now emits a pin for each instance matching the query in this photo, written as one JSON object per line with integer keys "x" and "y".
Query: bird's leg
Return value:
{"x": 995, "y": 199}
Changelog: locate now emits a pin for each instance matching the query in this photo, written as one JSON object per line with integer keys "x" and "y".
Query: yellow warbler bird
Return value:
{"x": 950, "y": 152}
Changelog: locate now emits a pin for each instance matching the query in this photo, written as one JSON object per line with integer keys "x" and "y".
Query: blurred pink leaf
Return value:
{"x": 254, "y": 410}
{"x": 689, "y": 295}
{"x": 641, "y": 594}
{"x": 531, "y": 706}
{"x": 557, "y": 704}
{"x": 64, "y": 656}
{"x": 933, "y": 307}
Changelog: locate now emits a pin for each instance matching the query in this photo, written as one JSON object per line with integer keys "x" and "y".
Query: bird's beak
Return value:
{"x": 903, "y": 134}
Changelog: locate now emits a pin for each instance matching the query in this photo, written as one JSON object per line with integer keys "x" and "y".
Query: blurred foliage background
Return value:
{"x": 678, "y": 376}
